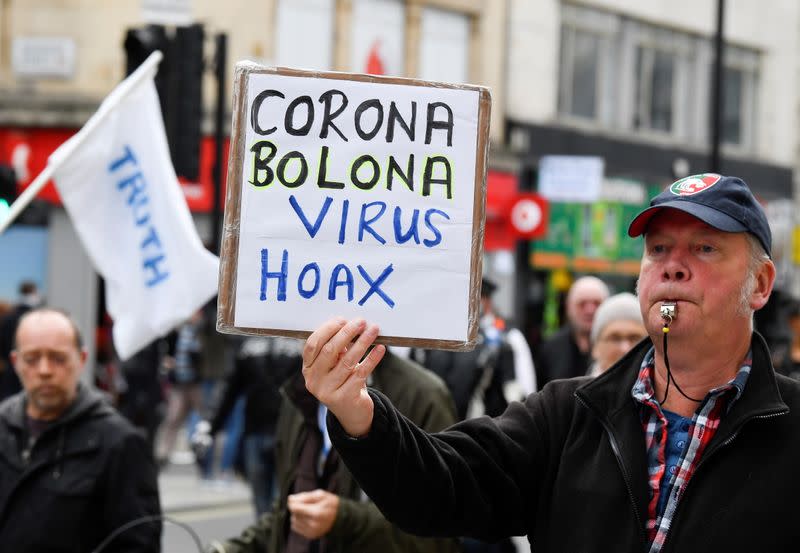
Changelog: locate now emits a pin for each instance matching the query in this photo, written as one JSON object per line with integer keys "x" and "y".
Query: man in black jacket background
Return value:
{"x": 72, "y": 470}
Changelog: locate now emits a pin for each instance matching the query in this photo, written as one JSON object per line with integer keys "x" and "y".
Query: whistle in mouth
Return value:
{"x": 669, "y": 310}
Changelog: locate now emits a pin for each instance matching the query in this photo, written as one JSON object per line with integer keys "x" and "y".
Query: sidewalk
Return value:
{"x": 182, "y": 490}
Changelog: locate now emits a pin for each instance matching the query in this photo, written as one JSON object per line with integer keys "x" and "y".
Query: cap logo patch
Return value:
{"x": 694, "y": 184}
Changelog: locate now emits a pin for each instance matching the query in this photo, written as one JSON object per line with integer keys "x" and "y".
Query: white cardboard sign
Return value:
{"x": 357, "y": 197}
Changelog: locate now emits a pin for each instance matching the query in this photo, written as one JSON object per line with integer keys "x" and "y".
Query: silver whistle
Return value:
{"x": 669, "y": 310}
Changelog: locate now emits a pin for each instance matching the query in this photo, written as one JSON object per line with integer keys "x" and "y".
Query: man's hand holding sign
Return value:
{"x": 336, "y": 370}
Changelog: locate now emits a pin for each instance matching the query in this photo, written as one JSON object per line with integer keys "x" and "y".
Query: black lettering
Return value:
{"x": 395, "y": 117}
{"x": 327, "y": 117}
{"x": 288, "y": 120}
{"x": 376, "y": 172}
{"x": 427, "y": 176}
{"x": 365, "y": 105}
{"x": 301, "y": 178}
{"x": 261, "y": 162}
{"x": 433, "y": 124}
{"x": 263, "y": 95}
{"x": 322, "y": 176}
{"x": 394, "y": 167}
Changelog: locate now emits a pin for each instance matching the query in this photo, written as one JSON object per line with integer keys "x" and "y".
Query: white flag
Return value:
{"x": 118, "y": 185}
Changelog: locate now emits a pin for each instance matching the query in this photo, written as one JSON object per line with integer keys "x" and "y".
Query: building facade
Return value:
{"x": 623, "y": 82}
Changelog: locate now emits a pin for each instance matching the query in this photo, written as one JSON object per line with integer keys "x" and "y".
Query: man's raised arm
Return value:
{"x": 336, "y": 374}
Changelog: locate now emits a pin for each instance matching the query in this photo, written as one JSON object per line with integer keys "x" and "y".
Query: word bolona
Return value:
{"x": 365, "y": 172}
{"x": 309, "y": 280}
{"x": 368, "y": 117}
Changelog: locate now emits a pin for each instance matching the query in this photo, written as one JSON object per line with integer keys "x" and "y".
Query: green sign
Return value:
{"x": 591, "y": 237}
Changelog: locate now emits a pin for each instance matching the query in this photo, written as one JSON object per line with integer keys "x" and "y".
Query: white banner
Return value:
{"x": 118, "y": 185}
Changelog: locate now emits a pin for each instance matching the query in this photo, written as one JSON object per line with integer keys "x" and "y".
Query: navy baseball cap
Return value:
{"x": 724, "y": 203}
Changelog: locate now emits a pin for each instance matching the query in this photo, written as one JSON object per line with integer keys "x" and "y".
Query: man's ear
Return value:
{"x": 765, "y": 280}
{"x": 83, "y": 356}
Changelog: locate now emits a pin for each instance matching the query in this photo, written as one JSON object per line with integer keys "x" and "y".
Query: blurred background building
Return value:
{"x": 597, "y": 104}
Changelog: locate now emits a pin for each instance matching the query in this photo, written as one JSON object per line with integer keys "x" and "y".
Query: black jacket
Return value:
{"x": 87, "y": 475}
{"x": 568, "y": 468}
{"x": 262, "y": 366}
{"x": 560, "y": 357}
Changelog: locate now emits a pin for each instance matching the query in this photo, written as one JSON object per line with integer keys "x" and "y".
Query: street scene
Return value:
{"x": 445, "y": 276}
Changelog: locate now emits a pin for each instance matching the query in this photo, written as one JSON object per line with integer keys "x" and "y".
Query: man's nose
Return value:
{"x": 675, "y": 268}
{"x": 44, "y": 366}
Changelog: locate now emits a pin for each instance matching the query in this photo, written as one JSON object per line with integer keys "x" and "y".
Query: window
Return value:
{"x": 293, "y": 49}
{"x": 378, "y": 37}
{"x": 579, "y": 94}
{"x": 654, "y": 79}
{"x": 587, "y": 64}
{"x": 444, "y": 46}
{"x": 739, "y": 80}
{"x": 626, "y": 75}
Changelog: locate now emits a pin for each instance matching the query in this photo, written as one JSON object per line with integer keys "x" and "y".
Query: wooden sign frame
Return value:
{"x": 231, "y": 223}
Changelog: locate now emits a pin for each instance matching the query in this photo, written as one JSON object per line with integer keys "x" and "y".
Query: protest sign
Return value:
{"x": 357, "y": 196}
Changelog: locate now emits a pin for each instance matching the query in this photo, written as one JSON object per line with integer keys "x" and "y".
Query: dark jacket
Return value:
{"x": 477, "y": 375}
{"x": 568, "y": 468}
{"x": 359, "y": 526}
{"x": 87, "y": 475}
{"x": 262, "y": 366}
{"x": 560, "y": 357}
{"x": 9, "y": 381}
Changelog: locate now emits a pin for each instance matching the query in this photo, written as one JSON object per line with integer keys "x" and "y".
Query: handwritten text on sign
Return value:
{"x": 357, "y": 200}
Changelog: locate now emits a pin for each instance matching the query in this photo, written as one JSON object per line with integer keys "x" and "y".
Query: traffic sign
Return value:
{"x": 528, "y": 216}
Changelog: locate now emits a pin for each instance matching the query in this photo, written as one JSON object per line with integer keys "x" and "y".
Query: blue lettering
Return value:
{"x": 413, "y": 230}
{"x": 437, "y": 235}
{"x": 312, "y": 229}
{"x": 309, "y": 293}
{"x": 281, "y": 275}
{"x": 134, "y": 185}
{"x": 127, "y": 158}
{"x": 151, "y": 239}
{"x": 364, "y": 224}
{"x": 151, "y": 264}
{"x": 343, "y": 226}
{"x": 374, "y": 285}
{"x": 336, "y": 282}
{"x": 137, "y": 186}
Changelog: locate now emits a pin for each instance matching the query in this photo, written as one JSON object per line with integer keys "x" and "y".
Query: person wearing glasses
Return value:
{"x": 616, "y": 328}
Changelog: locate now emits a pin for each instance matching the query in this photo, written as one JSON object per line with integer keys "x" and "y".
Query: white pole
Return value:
{"x": 146, "y": 70}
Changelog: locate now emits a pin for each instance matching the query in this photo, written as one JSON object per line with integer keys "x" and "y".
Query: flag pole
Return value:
{"x": 146, "y": 70}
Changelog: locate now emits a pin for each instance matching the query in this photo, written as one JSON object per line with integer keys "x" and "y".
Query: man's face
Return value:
{"x": 701, "y": 268}
{"x": 615, "y": 340}
{"x": 582, "y": 303}
{"x": 48, "y": 363}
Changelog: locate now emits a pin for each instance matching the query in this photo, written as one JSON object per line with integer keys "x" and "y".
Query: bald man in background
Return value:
{"x": 568, "y": 352}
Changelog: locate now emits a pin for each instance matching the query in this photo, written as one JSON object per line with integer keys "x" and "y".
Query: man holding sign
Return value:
{"x": 691, "y": 448}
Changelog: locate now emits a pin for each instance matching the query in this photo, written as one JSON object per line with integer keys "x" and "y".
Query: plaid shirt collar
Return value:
{"x": 705, "y": 422}
{"x": 644, "y": 392}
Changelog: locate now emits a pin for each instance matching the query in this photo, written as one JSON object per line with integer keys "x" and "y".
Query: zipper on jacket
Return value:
{"x": 703, "y": 462}
{"x": 625, "y": 476}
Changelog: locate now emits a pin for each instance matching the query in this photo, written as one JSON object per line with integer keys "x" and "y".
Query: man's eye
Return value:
{"x": 658, "y": 248}
{"x": 58, "y": 358}
{"x": 707, "y": 248}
